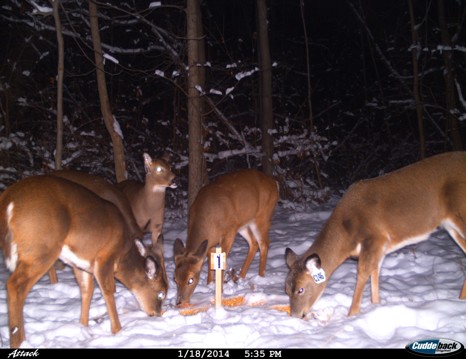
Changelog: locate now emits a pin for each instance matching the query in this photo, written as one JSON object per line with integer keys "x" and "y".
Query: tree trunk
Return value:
{"x": 416, "y": 87}
{"x": 266, "y": 104}
{"x": 197, "y": 167}
{"x": 450, "y": 94}
{"x": 109, "y": 120}
{"x": 60, "y": 70}
{"x": 309, "y": 85}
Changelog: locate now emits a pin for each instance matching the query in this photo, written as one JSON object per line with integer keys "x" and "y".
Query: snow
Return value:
{"x": 116, "y": 127}
{"x": 111, "y": 58}
{"x": 419, "y": 289}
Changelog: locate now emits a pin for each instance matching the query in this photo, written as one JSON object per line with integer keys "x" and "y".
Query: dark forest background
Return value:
{"x": 348, "y": 77}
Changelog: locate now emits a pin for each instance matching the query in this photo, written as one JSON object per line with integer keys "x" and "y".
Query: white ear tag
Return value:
{"x": 318, "y": 274}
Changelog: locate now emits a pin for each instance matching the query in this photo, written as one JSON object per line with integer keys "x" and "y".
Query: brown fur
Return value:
{"x": 147, "y": 205}
{"x": 228, "y": 205}
{"x": 380, "y": 215}
{"x": 41, "y": 216}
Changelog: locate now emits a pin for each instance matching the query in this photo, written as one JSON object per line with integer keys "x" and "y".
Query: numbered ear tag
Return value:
{"x": 218, "y": 259}
{"x": 318, "y": 275}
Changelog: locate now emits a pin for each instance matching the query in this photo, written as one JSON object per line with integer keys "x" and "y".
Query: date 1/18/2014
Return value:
{"x": 246, "y": 353}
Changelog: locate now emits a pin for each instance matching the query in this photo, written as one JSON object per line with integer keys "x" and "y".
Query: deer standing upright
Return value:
{"x": 378, "y": 216}
{"x": 239, "y": 202}
{"x": 44, "y": 218}
{"x": 148, "y": 200}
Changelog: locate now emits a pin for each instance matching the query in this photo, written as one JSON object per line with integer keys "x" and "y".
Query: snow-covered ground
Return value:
{"x": 420, "y": 285}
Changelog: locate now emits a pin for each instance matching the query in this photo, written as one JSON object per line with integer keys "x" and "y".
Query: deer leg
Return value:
{"x": 53, "y": 275}
{"x": 368, "y": 265}
{"x": 253, "y": 247}
{"x": 375, "y": 297}
{"x": 264, "y": 244}
{"x": 155, "y": 233}
{"x": 18, "y": 286}
{"x": 262, "y": 227}
{"x": 104, "y": 274}
{"x": 86, "y": 283}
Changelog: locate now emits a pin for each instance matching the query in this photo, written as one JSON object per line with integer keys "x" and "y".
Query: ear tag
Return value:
{"x": 318, "y": 274}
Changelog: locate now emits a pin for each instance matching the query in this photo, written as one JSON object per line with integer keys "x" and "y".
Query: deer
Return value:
{"x": 239, "y": 202}
{"x": 110, "y": 192}
{"x": 378, "y": 216}
{"x": 44, "y": 218}
{"x": 148, "y": 200}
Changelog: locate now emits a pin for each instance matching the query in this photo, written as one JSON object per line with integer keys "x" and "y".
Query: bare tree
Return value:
{"x": 309, "y": 85}
{"x": 197, "y": 167}
{"x": 415, "y": 48}
{"x": 266, "y": 103}
{"x": 109, "y": 120}
{"x": 450, "y": 97}
{"x": 60, "y": 71}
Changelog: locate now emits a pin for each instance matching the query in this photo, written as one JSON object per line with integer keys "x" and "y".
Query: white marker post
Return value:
{"x": 218, "y": 263}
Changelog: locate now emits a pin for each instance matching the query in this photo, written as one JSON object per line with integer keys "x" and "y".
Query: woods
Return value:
{"x": 223, "y": 85}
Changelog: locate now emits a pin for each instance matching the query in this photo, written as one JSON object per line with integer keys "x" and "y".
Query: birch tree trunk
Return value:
{"x": 109, "y": 120}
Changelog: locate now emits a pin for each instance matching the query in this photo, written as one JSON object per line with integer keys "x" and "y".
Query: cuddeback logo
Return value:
{"x": 435, "y": 347}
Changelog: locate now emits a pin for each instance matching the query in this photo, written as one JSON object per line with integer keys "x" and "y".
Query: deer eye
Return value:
{"x": 158, "y": 169}
{"x": 300, "y": 291}
{"x": 161, "y": 295}
{"x": 190, "y": 281}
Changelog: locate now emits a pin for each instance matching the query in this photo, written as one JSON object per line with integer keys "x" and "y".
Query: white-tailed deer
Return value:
{"x": 113, "y": 194}
{"x": 44, "y": 218}
{"x": 107, "y": 191}
{"x": 239, "y": 202}
{"x": 147, "y": 200}
{"x": 376, "y": 217}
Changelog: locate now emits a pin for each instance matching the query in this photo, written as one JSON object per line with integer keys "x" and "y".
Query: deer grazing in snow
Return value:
{"x": 147, "y": 200}
{"x": 113, "y": 194}
{"x": 376, "y": 217}
{"x": 45, "y": 218}
{"x": 239, "y": 202}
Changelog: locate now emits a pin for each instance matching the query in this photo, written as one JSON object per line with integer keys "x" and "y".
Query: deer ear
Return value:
{"x": 201, "y": 251}
{"x": 291, "y": 257}
{"x": 141, "y": 248}
{"x": 313, "y": 264}
{"x": 147, "y": 159}
{"x": 158, "y": 247}
{"x": 179, "y": 248}
{"x": 166, "y": 156}
{"x": 151, "y": 267}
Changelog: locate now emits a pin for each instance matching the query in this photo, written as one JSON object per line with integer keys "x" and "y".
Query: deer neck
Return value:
{"x": 334, "y": 245}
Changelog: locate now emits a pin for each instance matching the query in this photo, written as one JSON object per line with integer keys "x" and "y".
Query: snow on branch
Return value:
{"x": 41, "y": 10}
{"x": 111, "y": 58}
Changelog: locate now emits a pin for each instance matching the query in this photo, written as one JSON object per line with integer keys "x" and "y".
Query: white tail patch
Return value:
{"x": 9, "y": 213}
{"x": 11, "y": 260}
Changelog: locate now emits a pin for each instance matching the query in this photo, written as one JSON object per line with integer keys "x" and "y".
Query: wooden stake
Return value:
{"x": 218, "y": 263}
